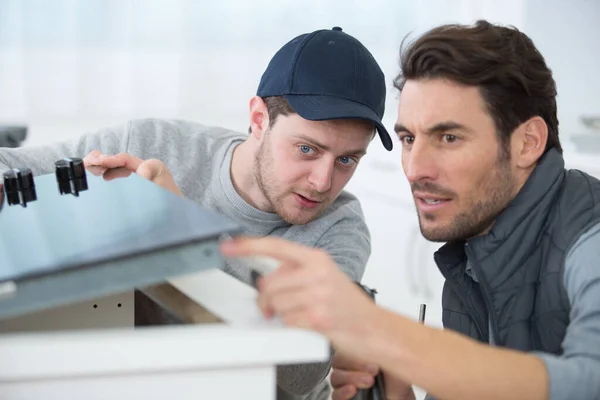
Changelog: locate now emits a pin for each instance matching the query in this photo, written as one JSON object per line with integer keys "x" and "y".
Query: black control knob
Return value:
{"x": 1, "y": 195}
{"x": 19, "y": 186}
{"x": 71, "y": 176}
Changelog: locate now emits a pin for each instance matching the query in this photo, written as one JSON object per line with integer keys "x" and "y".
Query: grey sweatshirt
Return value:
{"x": 199, "y": 157}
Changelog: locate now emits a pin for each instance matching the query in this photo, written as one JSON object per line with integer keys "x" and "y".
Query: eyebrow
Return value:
{"x": 437, "y": 128}
{"x": 358, "y": 152}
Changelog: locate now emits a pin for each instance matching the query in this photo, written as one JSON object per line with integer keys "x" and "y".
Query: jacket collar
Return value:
{"x": 517, "y": 229}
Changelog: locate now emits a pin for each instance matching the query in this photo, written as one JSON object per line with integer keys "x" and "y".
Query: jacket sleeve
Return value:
{"x": 575, "y": 374}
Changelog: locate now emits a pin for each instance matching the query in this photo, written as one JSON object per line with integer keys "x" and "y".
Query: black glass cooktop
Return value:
{"x": 65, "y": 229}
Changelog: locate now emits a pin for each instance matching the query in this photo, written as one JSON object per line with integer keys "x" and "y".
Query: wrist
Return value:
{"x": 356, "y": 336}
{"x": 397, "y": 341}
{"x": 370, "y": 332}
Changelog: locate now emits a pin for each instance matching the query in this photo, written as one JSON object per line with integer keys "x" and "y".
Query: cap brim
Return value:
{"x": 323, "y": 108}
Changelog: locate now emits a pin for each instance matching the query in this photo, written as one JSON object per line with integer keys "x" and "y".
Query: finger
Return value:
{"x": 301, "y": 314}
{"x": 362, "y": 380}
{"x": 342, "y": 361}
{"x": 264, "y": 306}
{"x": 92, "y": 158}
{"x": 286, "y": 278}
{"x": 121, "y": 160}
{"x": 289, "y": 302}
{"x": 298, "y": 319}
{"x": 270, "y": 246}
{"x": 274, "y": 302}
{"x": 115, "y": 173}
{"x": 344, "y": 393}
{"x": 96, "y": 170}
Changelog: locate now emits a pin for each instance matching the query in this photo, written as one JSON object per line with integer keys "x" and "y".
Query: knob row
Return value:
{"x": 70, "y": 174}
{"x": 19, "y": 185}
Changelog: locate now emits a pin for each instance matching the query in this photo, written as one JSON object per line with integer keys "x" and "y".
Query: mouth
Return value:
{"x": 430, "y": 203}
{"x": 306, "y": 202}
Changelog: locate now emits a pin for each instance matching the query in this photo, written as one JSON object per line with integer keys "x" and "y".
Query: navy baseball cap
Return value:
{"x": 326, "y": 75}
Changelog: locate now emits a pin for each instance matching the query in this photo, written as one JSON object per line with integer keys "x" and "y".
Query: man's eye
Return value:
{"x": 450, "y": 138}
{"x": 407, "y": 139}
{"x": 345, "y": 160}
{"x": 306, "y": 149}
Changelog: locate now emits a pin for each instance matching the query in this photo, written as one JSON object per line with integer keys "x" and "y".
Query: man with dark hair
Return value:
{"x": 318, "y": 107}
{"x": 521, "y": 299}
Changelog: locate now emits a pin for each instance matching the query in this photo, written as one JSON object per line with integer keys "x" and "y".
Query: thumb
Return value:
{"x": 157, "y": 172}
{"x": 150, "y": 169}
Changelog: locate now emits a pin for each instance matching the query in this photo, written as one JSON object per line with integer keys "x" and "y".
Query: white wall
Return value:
{"x": 69, "y": 66}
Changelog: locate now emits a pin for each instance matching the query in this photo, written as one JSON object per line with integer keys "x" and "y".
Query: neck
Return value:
{"x": 243, "y": 178}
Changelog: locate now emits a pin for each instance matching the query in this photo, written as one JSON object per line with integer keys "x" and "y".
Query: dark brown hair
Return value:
{"x": 512, "y": 75}
{"x": 276, "y": 106}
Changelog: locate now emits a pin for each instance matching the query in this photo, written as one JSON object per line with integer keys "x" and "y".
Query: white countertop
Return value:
{"x": 244, "y": 339}
{"x": 51, "y": 355}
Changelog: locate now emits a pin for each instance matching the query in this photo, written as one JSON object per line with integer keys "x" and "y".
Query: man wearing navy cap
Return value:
{"x": 318, "y": 106}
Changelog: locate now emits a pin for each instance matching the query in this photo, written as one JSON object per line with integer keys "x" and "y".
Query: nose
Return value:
{"x": 419, "y": 162}
{"x": 321, "y": 175}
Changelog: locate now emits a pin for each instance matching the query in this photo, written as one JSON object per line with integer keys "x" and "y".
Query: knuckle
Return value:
{"x": 321, "y": 253}
{"x": 322, "y": 296}
{"x": 155, "y": 161}
{"x": 327, "y": 293}
{"x": 319, "y": 319}
{"x": 157, "y": 166}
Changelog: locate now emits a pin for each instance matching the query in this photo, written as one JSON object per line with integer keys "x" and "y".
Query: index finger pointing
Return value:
{"x": 269, "y": 246}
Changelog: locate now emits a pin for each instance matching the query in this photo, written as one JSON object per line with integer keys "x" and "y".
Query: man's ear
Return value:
{"x": 529, "y": 142}
{"x": 259, "y": 117}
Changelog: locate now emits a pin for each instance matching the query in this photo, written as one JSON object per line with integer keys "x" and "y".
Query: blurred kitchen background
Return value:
{"x": 73, "y": 66}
